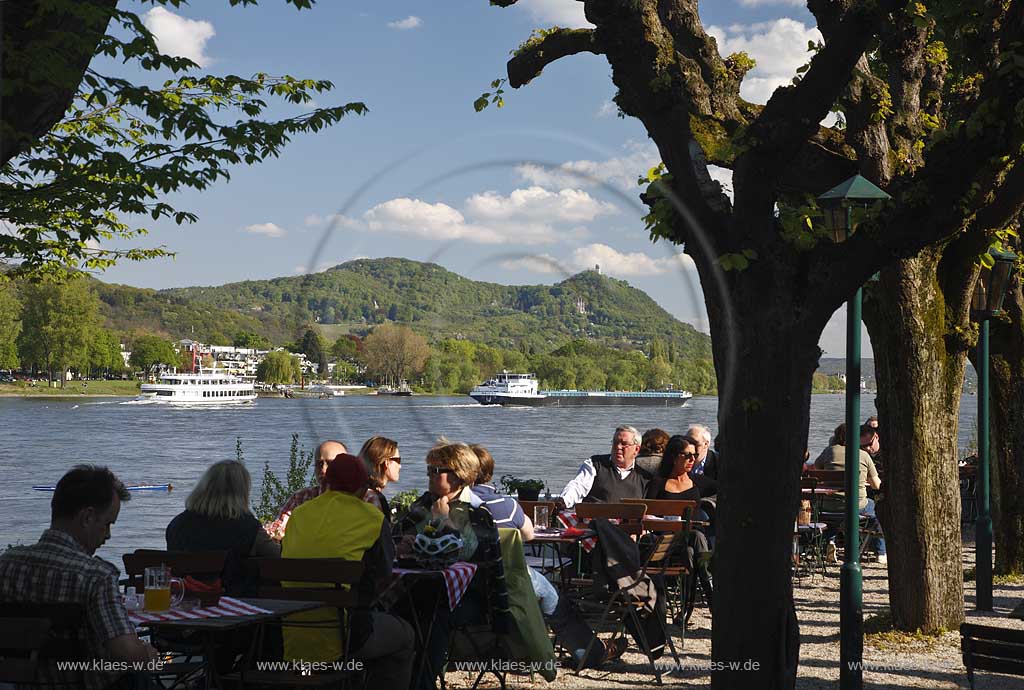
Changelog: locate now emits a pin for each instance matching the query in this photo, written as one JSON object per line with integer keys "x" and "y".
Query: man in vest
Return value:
{"x": 609, "y": 478}
{"x": 339, "y": 524}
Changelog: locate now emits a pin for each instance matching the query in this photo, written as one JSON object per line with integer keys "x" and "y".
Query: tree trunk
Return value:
{"x": 763, "y": 422}
{"x": 1006, "y": 387}
{"x": 920, "y": 372}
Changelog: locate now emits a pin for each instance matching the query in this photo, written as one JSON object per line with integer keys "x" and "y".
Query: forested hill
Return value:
{"x": 440, "y": 304}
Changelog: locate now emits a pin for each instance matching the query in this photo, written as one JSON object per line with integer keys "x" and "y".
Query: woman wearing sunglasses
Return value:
{"x": 383, "y": 464}
{"x": 674, "y": 480}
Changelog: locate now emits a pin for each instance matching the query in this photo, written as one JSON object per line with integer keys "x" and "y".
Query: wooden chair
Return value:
{"x": 832, "y": 479}
{"x": 987, "y": 648}
{"x": 21, "y": 640}
{"x": 331, "y": 581}
{"x": 202, "y": 565}
{"x": 629, "y": 516}
{"x": 34, "y": 635}
{"x": 624, "y": 606}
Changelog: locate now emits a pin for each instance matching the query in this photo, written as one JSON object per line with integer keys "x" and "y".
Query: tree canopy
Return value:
{"x": 151, "y": 350}
{"x": 86, "y": 152}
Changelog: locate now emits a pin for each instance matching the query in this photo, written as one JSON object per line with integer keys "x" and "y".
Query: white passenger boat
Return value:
{"x": 202, "y": 388}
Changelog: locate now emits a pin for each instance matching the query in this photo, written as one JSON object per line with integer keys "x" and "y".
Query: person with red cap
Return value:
{"x": 340, "y": 524}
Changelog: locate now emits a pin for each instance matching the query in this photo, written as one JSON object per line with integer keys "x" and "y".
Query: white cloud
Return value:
{"x": 266, "y": 229}
{"x": 564, "y": 13}
{"x": 722, "y": 176}
{"x": 538, "y": 204}
{"x": 617, "y": 263}
{"x": 312, "y": 220}
{"x": 779, "y": 47}
{"x": 422, "y": 219}
{"x": 607, "y": 109}
{"x": 410, "y": 22}
{"x": 538, "y": 263}
{"x": 178, "y": 36}
{"x": 619, "y": 171}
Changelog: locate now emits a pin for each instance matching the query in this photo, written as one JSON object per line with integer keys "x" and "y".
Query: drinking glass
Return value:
{"x": 541, "y": 517}
{"x": 159, "y": 584}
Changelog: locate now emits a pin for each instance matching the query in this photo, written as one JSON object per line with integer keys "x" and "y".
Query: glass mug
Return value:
{"x": 159, "y": 583}
{"x": 541, "y": 517}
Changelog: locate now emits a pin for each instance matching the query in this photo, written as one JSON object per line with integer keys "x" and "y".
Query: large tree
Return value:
{"x": 918, "y": 313}
{"x": 394, "y": 353}
{"x": 770, "y": 279}
{"x": 1007, "y": 428}
{"x": 85, "y": 152}
{"x": 152, "y": 350}
{"x": 10, "y": 326}
{"x": 58, "y": 321}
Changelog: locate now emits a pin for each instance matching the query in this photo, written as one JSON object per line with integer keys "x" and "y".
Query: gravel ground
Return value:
{"x": 934, "y": 663}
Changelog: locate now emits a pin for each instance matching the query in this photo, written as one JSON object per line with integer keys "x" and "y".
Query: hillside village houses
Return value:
{"x": 240, "y": 361}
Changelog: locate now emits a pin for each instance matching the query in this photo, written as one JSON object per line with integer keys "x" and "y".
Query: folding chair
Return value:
{"x": 21, "y": 640}
{"x": 528, "y": 507}
{"x": 836, "y": 521}
{"x": 628, "y": 517}
{"x": 683, "y": 583}
{"x": 810, "y": 537}
{"x": 202, "y": 565}
{"x": 625, "y": 606}
{"x": 331, "y": 581}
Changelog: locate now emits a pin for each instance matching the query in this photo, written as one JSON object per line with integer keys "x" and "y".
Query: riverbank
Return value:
{"x": 72, "y": 389}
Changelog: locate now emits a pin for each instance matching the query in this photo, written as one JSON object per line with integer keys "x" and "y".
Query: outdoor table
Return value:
{"x": 455, "y": 580}
{"x": 250, "y": 612}
{"x": 551, "y": 540}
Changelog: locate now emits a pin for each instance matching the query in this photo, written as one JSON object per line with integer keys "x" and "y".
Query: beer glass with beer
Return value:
{"x": 159, "y": 584}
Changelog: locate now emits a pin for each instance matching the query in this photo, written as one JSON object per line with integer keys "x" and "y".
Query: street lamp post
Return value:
{"x": 986, "y": 303}
{"x": 839, "y": 204}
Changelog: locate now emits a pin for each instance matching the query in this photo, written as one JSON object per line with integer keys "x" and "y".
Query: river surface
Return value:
{"x": 147, "y": 443}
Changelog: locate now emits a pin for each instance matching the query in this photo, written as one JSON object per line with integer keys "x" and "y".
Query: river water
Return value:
{"x": 148, "y": 443}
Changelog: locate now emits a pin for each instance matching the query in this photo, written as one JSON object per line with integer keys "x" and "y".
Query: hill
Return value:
{"x": 354, "y": 296}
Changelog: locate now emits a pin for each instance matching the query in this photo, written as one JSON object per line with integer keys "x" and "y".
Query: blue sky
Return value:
{"x": 530, "y": 193}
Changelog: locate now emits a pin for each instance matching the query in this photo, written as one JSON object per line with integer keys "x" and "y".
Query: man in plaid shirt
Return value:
{"x": 325, "y": 454}
{"x": 61, "y": 569}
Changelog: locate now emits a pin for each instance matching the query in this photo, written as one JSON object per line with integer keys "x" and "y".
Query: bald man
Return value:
{"x": 325, "y": 454}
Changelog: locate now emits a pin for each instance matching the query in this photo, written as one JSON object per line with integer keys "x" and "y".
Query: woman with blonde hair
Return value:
{"x": 217, "y": 517}
{"x": 383, "y": 464}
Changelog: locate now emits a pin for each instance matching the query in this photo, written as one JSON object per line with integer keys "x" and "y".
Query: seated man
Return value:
{"x": 707, "y": 458}
{"x": 571, "y": 631}
{"x": 340, "y": 524}
{"x": 834, "y": 458}
{"x": 325, "y": 453}
{"x": 609, "y": 478}
{"x": 62, "y": 568}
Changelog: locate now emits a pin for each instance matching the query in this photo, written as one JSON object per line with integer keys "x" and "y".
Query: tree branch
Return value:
{"x": 53, "y": 49}
{"x": 536, "y": 54}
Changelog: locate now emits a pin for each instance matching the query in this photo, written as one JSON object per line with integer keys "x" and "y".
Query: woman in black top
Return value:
{"x": 674, "y": 480}
{"x": 217, "y": 517}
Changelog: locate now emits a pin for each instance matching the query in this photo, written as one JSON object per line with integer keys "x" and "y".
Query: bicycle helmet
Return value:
{"x": 437, "y": 551}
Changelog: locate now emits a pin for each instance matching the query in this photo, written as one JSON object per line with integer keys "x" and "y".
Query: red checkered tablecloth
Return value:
{"x": 225, "y": 607}
{"x": 456, "y": 579}
{"x": 569, "y": 520}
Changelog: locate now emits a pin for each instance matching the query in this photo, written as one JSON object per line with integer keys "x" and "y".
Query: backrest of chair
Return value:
{"x": 809, "y": 482}
{"x": 629, "y": 515}
{"x": 665, "y": 507}
{"x": 528, "y": 507}
{"x": 828, "y": 478}
{"x": 21, "y": 640}
{"x": 203, "y": 565}
{"x": 988, "y": 648}
{"x": 330, "y": 580}
{"x": 47, "y": 631}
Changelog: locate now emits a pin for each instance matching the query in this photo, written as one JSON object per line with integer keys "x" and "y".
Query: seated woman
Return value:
{"x": 217, "y": 517}
{"x": 673, "y": 480}
{"x": 449, "y": 503}
{"x": 383, "y": 464}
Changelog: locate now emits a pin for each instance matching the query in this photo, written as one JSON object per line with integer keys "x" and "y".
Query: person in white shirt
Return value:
{"x": 609, "y": 478}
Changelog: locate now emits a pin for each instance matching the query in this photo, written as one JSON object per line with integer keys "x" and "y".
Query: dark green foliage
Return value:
{"x": 149, "y": 350}
{"x": 274, "y": 492}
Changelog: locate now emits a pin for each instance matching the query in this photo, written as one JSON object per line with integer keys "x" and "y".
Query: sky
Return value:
{"x": 529, "y": 193}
